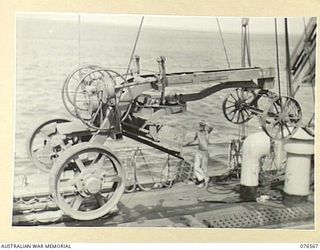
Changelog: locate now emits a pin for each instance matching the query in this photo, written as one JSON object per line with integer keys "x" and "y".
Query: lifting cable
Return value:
{"x": 309, "y": 55}
{"x": 134, "y": 48}
{"x": 288, "y": 63}
{"x": 79, "y": 40}
{"x": 223, "y": 44}
{"x": 245, "y": 52}
{"x": 277, "y": 57}
{"x": 248, "y": 45}
{"x": 310, "y": 66}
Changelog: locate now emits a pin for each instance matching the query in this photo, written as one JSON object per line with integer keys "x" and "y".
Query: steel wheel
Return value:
{"x": 282, "y": 118}
{"x": 71, "y": 83}
{"x": 236, "y": 106}
{"x": 87, "y": 181}
{"x": 99, "y": 97}
{"x": 44, "y": 144}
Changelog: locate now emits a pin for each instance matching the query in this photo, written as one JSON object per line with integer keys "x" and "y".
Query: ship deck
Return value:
{"x": 182, "y": 205}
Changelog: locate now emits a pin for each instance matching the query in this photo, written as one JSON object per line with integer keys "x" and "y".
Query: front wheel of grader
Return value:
{"x": 87, "y": 181}
{"x": 282, "y": 118}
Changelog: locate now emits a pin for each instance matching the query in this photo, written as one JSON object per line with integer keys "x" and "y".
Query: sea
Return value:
{"x": 48, "y": 50}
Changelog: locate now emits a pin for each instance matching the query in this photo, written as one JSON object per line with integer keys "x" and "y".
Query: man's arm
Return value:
{"x": 193, "y": 140}
{"x": 210, "y": 128}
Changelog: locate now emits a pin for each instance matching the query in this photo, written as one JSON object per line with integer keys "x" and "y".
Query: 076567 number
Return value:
{"x": 309, "y": 246}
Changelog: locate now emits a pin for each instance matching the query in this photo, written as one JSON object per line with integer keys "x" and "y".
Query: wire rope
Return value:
{"x": 223, "y": 44}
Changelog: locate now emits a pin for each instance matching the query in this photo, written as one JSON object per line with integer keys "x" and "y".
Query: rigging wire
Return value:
{"x": 277, "y": 56}
{"x": 79, "y": 40}
{"x": 310, "y": 66}
{"x": 134, "y": 48}
{"x": 223, "y": 44}
{"x": 245, "y": 52}
{"x": 309, "y": 55}
{"x": 248, "y": 45}
{"x": 288, "y": 63}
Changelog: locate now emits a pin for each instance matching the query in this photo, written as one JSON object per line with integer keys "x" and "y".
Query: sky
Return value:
{"x": 201, "y": 23}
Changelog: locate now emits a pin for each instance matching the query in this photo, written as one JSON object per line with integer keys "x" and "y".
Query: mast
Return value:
{"x": 245, "y": 43}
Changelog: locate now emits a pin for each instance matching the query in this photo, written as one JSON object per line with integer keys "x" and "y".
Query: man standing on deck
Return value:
{"x": 202, "y": 156}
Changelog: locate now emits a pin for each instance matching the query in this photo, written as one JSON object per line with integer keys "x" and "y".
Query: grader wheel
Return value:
{"x": 87, "y": 181}
{"x": 282, "y": 118}
{"x": 44, "y": 144}
{"x": 71, "y": 83}
{"x": 236, "y": 106}
{"x": 99, "y": 96}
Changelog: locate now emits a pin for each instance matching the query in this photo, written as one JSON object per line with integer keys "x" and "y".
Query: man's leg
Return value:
{"x": 197, "y": 170}
{"x": 204, "y": 165}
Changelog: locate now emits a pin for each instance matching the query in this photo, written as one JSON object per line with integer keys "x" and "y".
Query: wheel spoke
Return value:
{"x": 100, "y": 199}
{"x": 77, "y": 202}
{"x": 79, "y": 163}
{"x": 230, "y": 106}
{"x": 245, "y": 110}
{"x": 272, "y": 115}
{"x": 228, "y": 100}
{"x": 234, "y": 114}
{"x": 238, "y": 94}
{"x": 112, "y": 178}
{"x": 71, "y": 182}
{"x": 233, "y": 97}
{"x": 286, "y": 125}
{"x": 232, "y": 111}
{"x": 276, "y": 108}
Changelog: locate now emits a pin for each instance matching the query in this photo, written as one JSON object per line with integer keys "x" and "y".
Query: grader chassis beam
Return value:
{"x": 255, "y": 77}
{"x": 216, "y": 80}
{"x": 115, "y": 111}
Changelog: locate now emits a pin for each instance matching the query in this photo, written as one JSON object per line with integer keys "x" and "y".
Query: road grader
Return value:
{"x": 86, "y": 177}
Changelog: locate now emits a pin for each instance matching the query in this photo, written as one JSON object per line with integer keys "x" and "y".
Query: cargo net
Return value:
{"x": 241, "y": 217}
{"x": 184, "y": 171}
{"x": 146, "y": 170}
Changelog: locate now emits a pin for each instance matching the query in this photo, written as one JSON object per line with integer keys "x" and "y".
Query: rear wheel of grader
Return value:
{"x": 282, "y": 118}
{"x": 44, "y": 143}
{"x": 236, "y": 106}
{"x": 87, "y": 181}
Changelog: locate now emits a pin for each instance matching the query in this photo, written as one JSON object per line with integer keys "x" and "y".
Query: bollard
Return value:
{"x": 300, "y": 149}
{"x": 255, "y": 146}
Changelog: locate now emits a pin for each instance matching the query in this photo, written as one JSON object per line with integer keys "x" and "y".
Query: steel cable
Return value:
{"x": 223, "y": 44}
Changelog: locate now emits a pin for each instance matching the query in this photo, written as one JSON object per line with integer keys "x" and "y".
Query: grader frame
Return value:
{"x": 86, "y": 178}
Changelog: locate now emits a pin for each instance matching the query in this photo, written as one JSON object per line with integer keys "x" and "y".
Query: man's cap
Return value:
{"x": 202, "y": 122}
